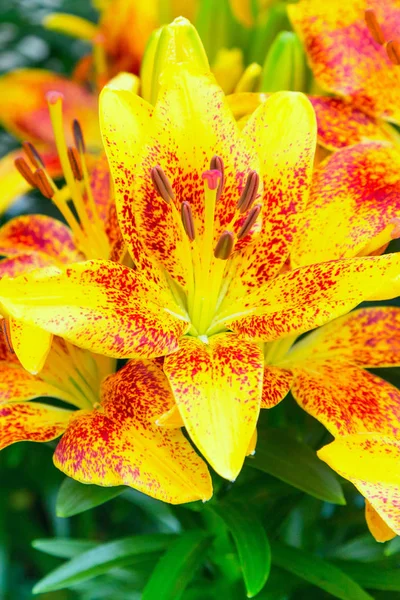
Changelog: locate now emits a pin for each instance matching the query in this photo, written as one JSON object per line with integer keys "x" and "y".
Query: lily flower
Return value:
{"x": 108, "y": 433}
{"x": 354, "y": 52}
{"x": 208, "y": 214}
{"x": 24, "y": 113}
{"x": 326, "y": 373}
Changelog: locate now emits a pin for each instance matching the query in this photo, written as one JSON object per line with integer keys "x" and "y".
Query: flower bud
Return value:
{"x": 284, "y": 67}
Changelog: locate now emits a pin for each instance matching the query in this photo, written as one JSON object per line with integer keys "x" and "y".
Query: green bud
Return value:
{"x": 285, "y": 66}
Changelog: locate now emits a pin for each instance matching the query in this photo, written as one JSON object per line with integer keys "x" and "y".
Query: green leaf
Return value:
{"x": 251, "y": 542}
{"x": 295, "y": 463}
{"x": 177, "y": 566}
{"x": 63, "y": 547}
{"x": 362, "y": 548}
{"x": 374, "y": 576}
{"x": 318, "y": 572}
{"x": 392, "y": 547}
{"x": 101, "y": 559}
{"x": 74, "y": 497}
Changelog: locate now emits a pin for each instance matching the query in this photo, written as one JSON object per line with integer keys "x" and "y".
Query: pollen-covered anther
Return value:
{"x": 213, "y": 178}
{"x": 5, "y": 325}
{"x": 249, "y": 221}
{"x": 249, "y": 193}
{"x": 23, "y": 168}
{"x": 78, "y": 136}
{"x": 33, "y": 155}
{"x": 162, "y": 184}
{"x": 187, "y": 220}
{"x": 75, "y": 162}
{"x": 224, "y": 246}
{"x": 43, "y": 185}
{"x": 373, "y": 26}
{"x": 217, "y": 164}
{"x": 393, "y": 51}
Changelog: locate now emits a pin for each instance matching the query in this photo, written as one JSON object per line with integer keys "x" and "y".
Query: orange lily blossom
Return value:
{"x": 208, "y": 214}
{"x": 326, "y": 373}
{"x": 109, "y": 437}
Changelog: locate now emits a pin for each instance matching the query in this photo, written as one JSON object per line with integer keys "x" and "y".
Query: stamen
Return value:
{"x": 187, "y": 220}
{"x": 78, "y": 136}
{"x": 33, "y": 155}
{"x": 393, "y": 51}
{"x": 213, "y": 178}
{"x": 5, "y": 325}
{"x": 162, "y": 184}
{"x": 75, "y": 163}
{"x": 217, "y": 164}
{"x": 224, "y": 246}
{"x": 249, "y": 193}
{"x": 373, "y": 26}
{"x": 24, "y": 169}
{"x": 249, "y": 222}
{"x": 43, "y": 184}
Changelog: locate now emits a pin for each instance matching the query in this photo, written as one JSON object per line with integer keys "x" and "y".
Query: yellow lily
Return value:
{"x": 109, "y": 437}
{"x": 208, "y": 214}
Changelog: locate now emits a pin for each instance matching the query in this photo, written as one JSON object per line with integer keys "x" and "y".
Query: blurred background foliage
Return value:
{"x": 283, "y": 490}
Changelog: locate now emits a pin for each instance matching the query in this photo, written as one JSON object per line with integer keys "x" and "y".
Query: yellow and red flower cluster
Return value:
{"x": 236, "y": 246}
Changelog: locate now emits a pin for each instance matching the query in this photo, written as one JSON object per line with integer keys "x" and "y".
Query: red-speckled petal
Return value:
{"x": 17, "y": 265}
{"x": 343, "y": 55}
{"x": 377, "y": 526}
{"x": 354, "y": 204}
{"x": 38, "y": 233}
{"x": 347, "y": 399}
{"x": 369, "y": 337}
{"x": 276, "y": 385}
{"x": 371, "y": 462}
{"x": 217, "y": 386}
{"x": 24, "y": 111}
{"x": 309, "y": 297}
{"x": 283, "y": 130}
{"x": 31, "y": 422}
{"x": 119, "y": 443}
{"x": 99, "y": 305}
{"x": 16, "y": 384}
{"x": 341, "y": 124}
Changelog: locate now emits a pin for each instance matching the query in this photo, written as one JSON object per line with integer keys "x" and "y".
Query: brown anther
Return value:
{"x": 43, "y": 185}
{"x": 249, "y": 193}
{"x": 161, "y": 184}
{"x": 75, "y": 163}
{"x": 33, "y": 155}
{"x": 393, "y": 51}
{"x": 373, "y": 26}
{"x": 187, "y": 220}
{"x": 224, "y": 246}
{"x": 217, "y": 164}
{"x": 5, "y": 325}
{"x": 249, "y": 221}
{"x": 78, "y": 136}
{"x": 24, "y": 169}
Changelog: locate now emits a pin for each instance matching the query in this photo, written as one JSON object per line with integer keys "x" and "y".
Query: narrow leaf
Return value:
{"x": 63, "y": 547}
{"x": 74, "y": 497}
{"x": 101, "y": 559}
{"x": 317, "y": 572}
{"x": 251, "y": 542}
{"x": 293, "y": 462}
{"x": 177, "y": 566}
{"x": 373, "y": 576}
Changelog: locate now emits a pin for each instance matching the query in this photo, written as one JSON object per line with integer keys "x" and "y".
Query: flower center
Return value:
{"x": 87, "y": 227}
{"x": 209, "y": 260}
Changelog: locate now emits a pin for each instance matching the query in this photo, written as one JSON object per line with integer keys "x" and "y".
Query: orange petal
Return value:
{"x": 11, "y": 181}
{"x": 24, "y": 112}
{"x": 377, "y": 526}
{"x": 308, "y": 297}
{"x": 368, "y": 337}
{"x": 119, "y": 444}
{"x": 347, "y": 399}
{"x": 276, "y": 385}
{"x": 341, "y": 124}
{"x": 217, "y": 386}
{"x": 38, "y": 233}
{"x": 17, "y": 265}
{"x": 371, "y": 462}
{"x": 344, "y": 56}
{"x": 355, "y": 197}
{"x": 100, "y": 305}
{"x": 31, "y": 422}
{"x": 16, "y": 384}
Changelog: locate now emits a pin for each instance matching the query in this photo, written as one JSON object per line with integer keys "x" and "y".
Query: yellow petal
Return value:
{"x": 377, "y": 526}
{"x": 31, "y": 344}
